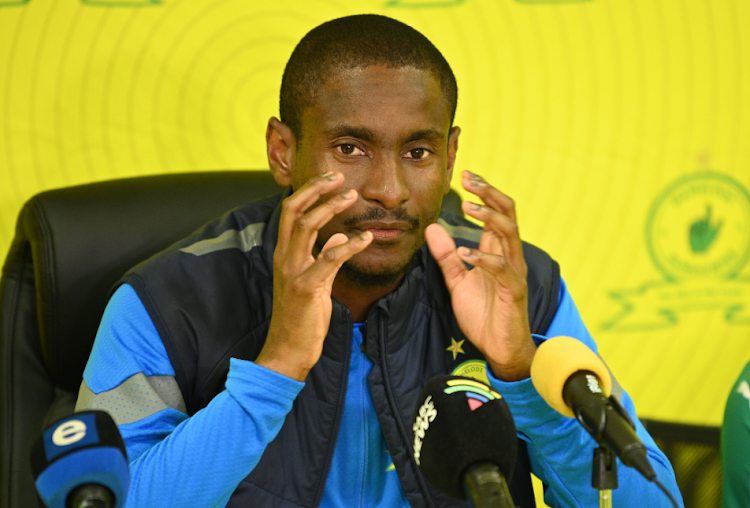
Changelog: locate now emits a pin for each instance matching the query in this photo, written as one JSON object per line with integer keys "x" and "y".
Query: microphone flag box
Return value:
{"x": 80, "y": 449}
{"x": 460, "y": 422}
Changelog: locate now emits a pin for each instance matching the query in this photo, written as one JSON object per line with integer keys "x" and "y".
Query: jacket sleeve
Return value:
{"x": 561, "y": 451}
{"x": 176, "y": 460}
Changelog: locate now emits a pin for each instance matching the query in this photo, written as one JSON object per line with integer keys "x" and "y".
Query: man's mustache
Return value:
{"x": 378, "y": 214}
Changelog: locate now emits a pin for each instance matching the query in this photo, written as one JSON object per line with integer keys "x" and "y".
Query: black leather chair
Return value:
{"x": 71, "y": 246}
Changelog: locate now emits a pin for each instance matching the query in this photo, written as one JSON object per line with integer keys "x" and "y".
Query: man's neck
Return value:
{"x": 357, "y": 298}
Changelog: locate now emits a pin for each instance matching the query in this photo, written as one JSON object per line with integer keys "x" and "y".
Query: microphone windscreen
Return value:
{"x": 459, "y": 422}
{"x": 557, "y": 359}
{"x": 83, "y": 448}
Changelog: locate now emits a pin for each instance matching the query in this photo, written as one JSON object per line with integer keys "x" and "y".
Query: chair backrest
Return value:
{"x": 71, "y": 246}
{"x": 695, "y": 455}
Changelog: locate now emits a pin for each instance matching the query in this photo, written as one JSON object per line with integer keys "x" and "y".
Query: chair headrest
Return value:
{"x": 84, "y": 238}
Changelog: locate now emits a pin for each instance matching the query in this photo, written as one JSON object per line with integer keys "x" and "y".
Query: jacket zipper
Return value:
{"x": 339, "y": 409}
{"x": 397, "y": 416}
{"x": 365, "y": 443}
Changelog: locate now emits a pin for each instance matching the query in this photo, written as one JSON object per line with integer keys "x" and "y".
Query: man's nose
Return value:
{"x": 385, "y": 183}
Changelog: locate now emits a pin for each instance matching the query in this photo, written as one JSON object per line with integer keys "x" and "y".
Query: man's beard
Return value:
{"x": 362, "y": 276}
{"x": 367, "y": 278}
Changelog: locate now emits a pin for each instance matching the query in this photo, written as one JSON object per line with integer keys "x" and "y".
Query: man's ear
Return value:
{"x": 452, "y": 149}
{"x": 280, "y": 146}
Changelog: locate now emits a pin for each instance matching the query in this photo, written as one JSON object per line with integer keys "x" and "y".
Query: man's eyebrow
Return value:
{"x": 340, "y": 131}
{"x": 365, "y": 134}
{"x": 429, "y": 134}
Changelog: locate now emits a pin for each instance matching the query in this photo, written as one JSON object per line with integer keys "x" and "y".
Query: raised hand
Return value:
{"x": 490, "y": 301}
{"x": 302, "y": 283}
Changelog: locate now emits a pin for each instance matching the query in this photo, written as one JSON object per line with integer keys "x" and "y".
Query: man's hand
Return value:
{"x": 490, "y": 301}
{"x": 302, "y": 284}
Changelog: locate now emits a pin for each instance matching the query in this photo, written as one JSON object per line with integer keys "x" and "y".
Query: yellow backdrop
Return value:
{"x": 617, "y": 125}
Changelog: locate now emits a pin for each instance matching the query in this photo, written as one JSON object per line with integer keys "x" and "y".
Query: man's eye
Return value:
{"x": 349, "y": 149}
{"x": 418, "y": 153}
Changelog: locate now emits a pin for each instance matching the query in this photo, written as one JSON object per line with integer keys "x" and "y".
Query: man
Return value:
{"x": 274, "y": 357}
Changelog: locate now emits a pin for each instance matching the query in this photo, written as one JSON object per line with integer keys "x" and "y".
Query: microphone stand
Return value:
{"x": 604, "y": 467}
{"x": 486, "y": 487}
{"x": 604, "y": 475}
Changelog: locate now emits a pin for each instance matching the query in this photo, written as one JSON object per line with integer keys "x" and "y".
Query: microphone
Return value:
{"x": 465, "y": 441}
{"x": 80, "y": 462}
{"x": 575, "y": 382}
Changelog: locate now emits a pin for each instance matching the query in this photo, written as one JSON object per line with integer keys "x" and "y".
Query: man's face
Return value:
{"x": 388, "y": 131}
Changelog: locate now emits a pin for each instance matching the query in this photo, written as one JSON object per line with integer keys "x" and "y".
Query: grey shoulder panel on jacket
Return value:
{"x": 244, "y": 240}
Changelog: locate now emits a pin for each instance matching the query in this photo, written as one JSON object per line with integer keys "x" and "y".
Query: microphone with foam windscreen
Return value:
{"x": 577, "y": 384}
{"x": 465, "y": 441}
{"x": 80, "y": 462}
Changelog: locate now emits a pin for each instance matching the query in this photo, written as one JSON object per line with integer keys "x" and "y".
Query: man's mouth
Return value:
{"x": 384, "y": 231}
{"x": 386, "y": 227}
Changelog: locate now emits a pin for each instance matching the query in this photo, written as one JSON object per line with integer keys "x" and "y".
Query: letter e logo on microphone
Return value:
{"x": 78, "y": 431}
{"x": 69, "y": 432}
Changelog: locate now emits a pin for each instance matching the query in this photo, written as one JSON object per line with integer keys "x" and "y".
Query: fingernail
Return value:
{"x": 477, "y": 183}
{"x": 475, "y": 207}
{"x": 466, "y": 252}
{"x": 329, "y": 176}
{"x": 347, "y": 194}
{"x": 365, "y": 235}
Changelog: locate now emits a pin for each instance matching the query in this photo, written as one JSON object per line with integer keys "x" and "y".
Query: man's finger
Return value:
{"x": 338, "y": 250}
{"x": 498, "y": 266}
{"x": 505, "y": 233}
{"x": 335, "y": 240}
{"x": 293, "y": 207}
{"x": 490, "y": 195}
{"x": 305, "y": 231}
{"x": 443, "y": 249}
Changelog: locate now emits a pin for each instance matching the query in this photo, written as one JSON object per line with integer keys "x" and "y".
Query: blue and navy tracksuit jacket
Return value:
{"x": 205, "y": 426}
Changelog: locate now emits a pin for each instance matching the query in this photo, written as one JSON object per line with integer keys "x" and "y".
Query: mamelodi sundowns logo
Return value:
{"x": 698, "y": 237}
{"x": 475, "y": 369}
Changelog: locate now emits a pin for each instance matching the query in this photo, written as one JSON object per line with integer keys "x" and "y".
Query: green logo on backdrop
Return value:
{"x": 698, "y": 237}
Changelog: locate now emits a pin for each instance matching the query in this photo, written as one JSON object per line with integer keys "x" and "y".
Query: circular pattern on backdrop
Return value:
{"x": 581, "y": 111}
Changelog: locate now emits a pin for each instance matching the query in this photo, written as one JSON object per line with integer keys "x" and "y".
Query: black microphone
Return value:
{"x": 80, "y": 462}
{"x": 465, "y": 441}
{"x": 576, "y": 383}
